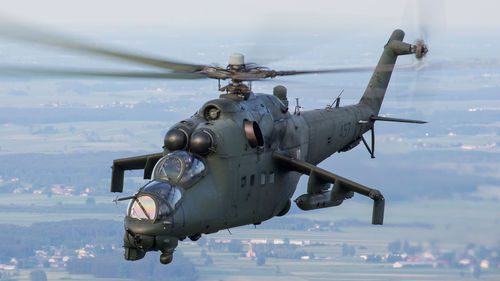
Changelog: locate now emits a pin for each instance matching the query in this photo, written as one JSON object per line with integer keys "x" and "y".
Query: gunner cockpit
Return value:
{"x": 173, "y": 173}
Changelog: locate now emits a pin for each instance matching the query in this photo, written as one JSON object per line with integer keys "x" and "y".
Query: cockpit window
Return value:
{"x": 143, "y": 207}
{"x": 172, "y": 168}
{"x": 179, "y": 167}
{"x": 166, "y": 198}
{"x": 167, "y": 192}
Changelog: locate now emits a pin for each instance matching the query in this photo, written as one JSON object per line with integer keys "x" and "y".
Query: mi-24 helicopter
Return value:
{"x": 238, "y": 159}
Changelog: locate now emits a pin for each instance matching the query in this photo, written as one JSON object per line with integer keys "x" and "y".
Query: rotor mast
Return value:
{"x": 236, "y": 87}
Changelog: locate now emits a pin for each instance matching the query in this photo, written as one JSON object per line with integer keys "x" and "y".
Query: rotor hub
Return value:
{"x": 236, "y": 61}
{"x": 420, "y": 49}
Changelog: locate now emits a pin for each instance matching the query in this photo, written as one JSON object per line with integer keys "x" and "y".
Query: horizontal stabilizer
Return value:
{"x": 145, "y": 162}
{"x": 325, "y": 176}
{"x": 389, "y": 119}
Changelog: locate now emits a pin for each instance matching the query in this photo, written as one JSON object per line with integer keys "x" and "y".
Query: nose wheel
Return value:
{"x": 195, "y": 237}
{"x": 166, "y": 257}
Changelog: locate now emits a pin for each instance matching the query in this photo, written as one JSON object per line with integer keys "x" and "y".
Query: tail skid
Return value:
{"x": 371, "y": 149}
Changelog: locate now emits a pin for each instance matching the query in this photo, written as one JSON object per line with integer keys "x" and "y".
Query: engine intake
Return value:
{"x": 202, "y": 142}
{"x": 176, "y": 139}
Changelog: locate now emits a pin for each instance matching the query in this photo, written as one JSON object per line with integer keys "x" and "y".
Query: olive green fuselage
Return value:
{"x": 244, "y": 185}
{"x": 254, "y": 152}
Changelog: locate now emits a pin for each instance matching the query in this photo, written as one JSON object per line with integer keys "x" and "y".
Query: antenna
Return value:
{"x": 337, "y": 100}
{"x": 297, "y": 107}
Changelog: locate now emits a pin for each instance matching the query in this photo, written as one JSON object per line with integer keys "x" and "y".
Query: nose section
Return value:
{"x": 148, "y": 227}
{"x": 142, "y": 236}
{"x": 137, "y": 244}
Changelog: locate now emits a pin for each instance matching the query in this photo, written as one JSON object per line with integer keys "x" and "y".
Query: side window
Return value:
{"x": 271, "y": 177}
{"x": 243, "y": 181}
{"x": 252, "y": 180}
{"x": 263, "y": 178}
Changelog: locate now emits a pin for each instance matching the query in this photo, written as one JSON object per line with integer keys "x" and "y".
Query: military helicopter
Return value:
{"x": 238, "y": 159}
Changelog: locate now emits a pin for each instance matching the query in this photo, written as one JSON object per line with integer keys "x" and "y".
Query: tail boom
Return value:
{"x": 375, "y": 91}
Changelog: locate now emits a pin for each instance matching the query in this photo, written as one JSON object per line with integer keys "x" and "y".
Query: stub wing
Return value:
{"x": 318, "y": 193}
{"x": 145, "y": 162}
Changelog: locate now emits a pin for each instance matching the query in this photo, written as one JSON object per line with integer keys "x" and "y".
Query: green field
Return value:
{"x": 84, "y": 136}
{"x": 472, "y": 219}
{"x": 28, "y": 199}
{"x": 54, "y": 208}
{"x": 54, "y": 274}
{"x": 240, "y": 269}
{"x": 453, "y": 224}
{"x": 231, "y": 268}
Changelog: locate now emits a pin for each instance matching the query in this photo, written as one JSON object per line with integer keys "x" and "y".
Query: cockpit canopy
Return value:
{"x": 179, "y": 168}
{"x": 142, "y": 207}
{"x": 160, "y": 197}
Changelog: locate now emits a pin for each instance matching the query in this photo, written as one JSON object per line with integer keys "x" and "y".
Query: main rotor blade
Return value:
{"x": 261, "y": 74}
{"x": 60, "y": 72}
{"x": 26, "y": 33}
{"x": 381, "y": 68}
{"x": 337, "y": 70}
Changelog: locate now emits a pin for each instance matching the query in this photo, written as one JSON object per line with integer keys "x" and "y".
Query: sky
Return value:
{"x": 217, "y": 12}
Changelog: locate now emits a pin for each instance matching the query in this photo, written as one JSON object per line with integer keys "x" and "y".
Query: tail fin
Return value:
{"x": 375, "y": 91}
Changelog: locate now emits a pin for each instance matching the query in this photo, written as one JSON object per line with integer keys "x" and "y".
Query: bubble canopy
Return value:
{"x": 144, "y": 207}
{"x": 160, "y": 197}
{"x": 156, "y": 200}
{"x": 179, "y": 168}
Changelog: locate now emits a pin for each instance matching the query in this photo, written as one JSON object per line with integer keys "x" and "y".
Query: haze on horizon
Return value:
{"x": 208, "y": 13}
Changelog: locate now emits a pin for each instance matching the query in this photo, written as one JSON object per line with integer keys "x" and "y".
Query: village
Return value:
{"x": 471, "y": 260}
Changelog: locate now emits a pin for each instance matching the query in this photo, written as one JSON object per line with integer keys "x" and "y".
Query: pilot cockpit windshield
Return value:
{"x": 163, "y": 202}
{"x": 179, "y": 168}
